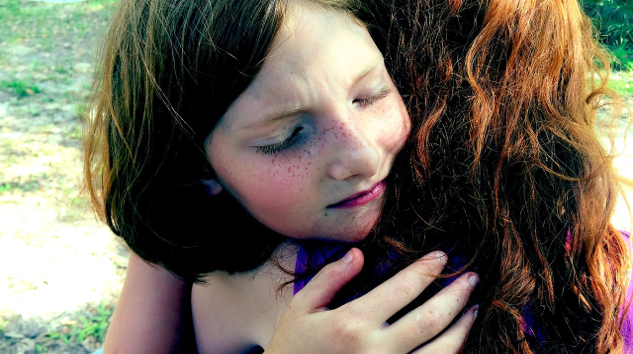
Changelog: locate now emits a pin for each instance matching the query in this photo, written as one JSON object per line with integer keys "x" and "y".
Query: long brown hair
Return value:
{"x": 169, "y": 71}
{"x": 511, "y": 175}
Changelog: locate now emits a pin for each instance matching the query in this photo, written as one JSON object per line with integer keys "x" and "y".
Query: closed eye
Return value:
{"x": 282, "y": 145}
{"x": 368, "y": 101}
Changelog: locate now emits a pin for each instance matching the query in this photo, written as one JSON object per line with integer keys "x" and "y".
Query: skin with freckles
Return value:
{"x": 307, "y": 147}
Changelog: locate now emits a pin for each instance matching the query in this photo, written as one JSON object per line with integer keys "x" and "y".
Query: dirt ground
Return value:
{"x": 61, "y": 271}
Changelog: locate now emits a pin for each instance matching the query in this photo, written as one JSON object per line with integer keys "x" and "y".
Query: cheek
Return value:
{"x": 251, "y": 176}
{"x": 395, "y": 126}
{"x": 406, "y": 124}
{"x": 276, "y": 183}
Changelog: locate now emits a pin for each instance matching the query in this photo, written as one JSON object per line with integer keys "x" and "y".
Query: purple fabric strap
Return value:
{"x": 627, "y": 324}
{"x": 317, "y": 257}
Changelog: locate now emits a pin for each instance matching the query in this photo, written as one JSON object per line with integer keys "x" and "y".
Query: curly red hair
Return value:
{"x": 510, "y": 171}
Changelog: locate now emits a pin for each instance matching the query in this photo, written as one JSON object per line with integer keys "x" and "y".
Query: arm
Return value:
{"x": 153, "y": 313}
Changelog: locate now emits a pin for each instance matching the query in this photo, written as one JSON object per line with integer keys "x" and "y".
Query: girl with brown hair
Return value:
{"x": 220, "y": 126}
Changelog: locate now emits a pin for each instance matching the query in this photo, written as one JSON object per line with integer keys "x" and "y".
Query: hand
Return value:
{"x": 307, "y": 326}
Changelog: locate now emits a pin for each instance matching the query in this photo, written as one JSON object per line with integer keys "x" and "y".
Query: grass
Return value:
{"x": 32, "y": 19}
{"x": 5, "y": 187}
{"x": 30, "y": 185}
{"x": 22, "y": 10}
{"x": 20, "y": 88}
{"x": 622, "y": 78}
{"x": 3, "y": 324}
{"x": 74, "y": 133}
{"x": 622, "y": 54}
{"x": 76, "y": 204}
{"x": 91, "y": 323}
{"x": 95, "y": 325}
{"x": 622, "y": 83}
{"x": 9, "y": 9}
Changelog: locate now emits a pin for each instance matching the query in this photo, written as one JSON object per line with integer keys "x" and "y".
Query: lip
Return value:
{"x": 361, "y": 198}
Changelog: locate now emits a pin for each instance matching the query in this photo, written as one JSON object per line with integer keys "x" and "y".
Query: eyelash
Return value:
{"x": 281, "y": 146}
{"x": 294, "y": 137}
{"x": 368, "y": 101}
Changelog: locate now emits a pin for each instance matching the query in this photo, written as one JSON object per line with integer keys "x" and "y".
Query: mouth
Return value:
{"x": 361, "y": 198}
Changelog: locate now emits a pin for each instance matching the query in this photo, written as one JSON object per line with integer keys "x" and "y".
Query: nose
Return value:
{"x": 355, "y": 152}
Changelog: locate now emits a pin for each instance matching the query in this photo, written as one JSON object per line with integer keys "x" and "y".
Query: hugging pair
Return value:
{"x": 233, "y": 141}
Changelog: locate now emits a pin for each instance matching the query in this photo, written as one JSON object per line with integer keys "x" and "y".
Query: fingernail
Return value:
{"x": 441, "y": 257}
{"x": 349, "y": 256}
{"x": 476, "y": 307}
{"x": 473, "y": 279}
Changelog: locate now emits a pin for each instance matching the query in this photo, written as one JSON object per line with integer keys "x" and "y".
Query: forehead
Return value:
{"x": 310, "y": 34}
{"x": 318, "y": 54}
{"x": 316, "y": 44}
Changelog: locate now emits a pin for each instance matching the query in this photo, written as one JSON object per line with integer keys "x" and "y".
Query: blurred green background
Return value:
{"x": 614, "y": 21}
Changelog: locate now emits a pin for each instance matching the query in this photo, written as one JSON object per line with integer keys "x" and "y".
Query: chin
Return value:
{"x": 359, "y": 237}
{"x": 355, "y": 231}
{"x": 366, "y": 228}
{"x": 361, "y": 231}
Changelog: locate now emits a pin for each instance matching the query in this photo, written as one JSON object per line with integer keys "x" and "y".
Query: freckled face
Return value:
{"x": 307, "y": 147}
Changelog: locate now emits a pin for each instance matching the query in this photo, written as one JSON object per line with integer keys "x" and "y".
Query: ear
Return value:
{"x": 213, "y": 186}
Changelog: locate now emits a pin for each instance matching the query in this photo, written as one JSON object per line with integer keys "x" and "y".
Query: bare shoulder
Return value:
{"x": 220, "y": 316}
{"x": 236, "y": 313}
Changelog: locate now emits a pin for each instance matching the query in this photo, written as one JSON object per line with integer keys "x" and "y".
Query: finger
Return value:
{"x": 399, "y": 290}
{"x": 451, "y": 341}
{"x": 432, "y": 317}
{"x": 320, "y": 291}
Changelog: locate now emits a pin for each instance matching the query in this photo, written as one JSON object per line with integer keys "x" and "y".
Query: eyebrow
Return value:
{"x": 275, "y": 115}
{"x": 373, "y": 65}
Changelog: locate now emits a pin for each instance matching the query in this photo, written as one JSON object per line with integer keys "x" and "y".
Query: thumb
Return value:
{"x": 320, "y": 291}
